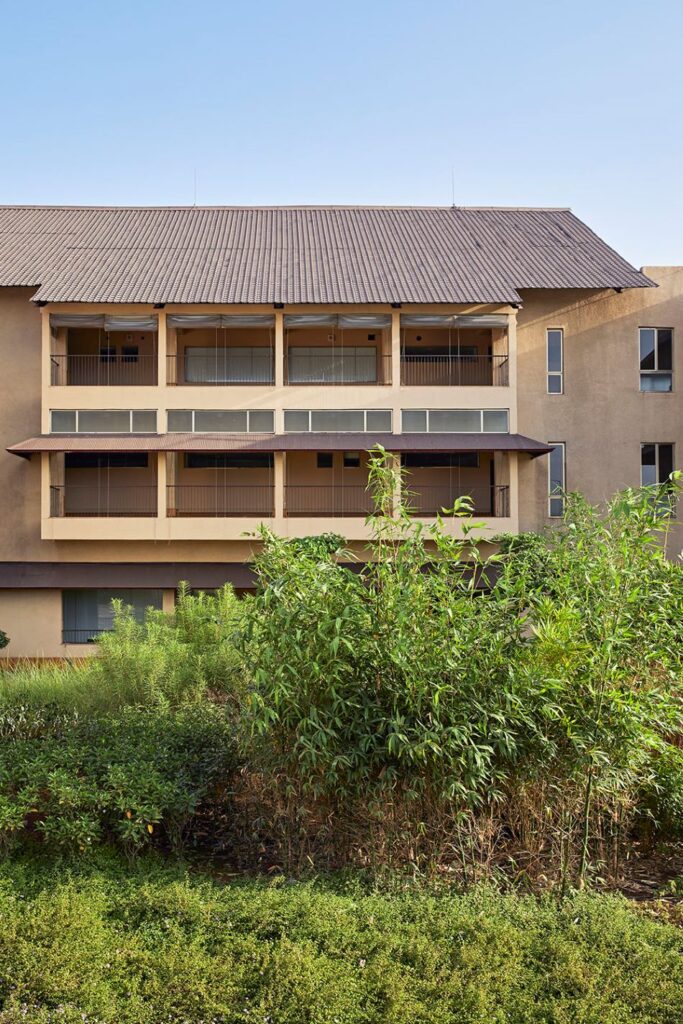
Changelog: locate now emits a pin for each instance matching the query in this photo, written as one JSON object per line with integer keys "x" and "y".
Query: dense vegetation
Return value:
{"x": 437, "y": 712}
{"x": 104, "y": 945}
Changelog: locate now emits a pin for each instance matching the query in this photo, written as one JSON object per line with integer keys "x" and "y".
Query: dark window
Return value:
{"x": 107, "y": 354}
{"x": 324, "y": 460}
{"x": 351, "y": 460}
{"x": 108, "y": 460}
{"x": 87, "y": 613}
{"x": 656, "y": 463}
{"x": 555, "y": 357}
{"x": 556, "y": 479}
{"x": 228, "y": 460}
{"x": 438, "y": 460}
{"x": 656, "y": 358}
{"x": 129, "y": 354}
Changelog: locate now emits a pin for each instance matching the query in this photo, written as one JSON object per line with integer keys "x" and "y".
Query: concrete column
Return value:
{"x": 44, "y": 485}
{"x": 46, "y": 369}
{"x": 513, "y": 462}
{"x": 162, "y": 350}
{"x": 512, "y": 369}
{"x": 395, "y": 348}
{"x": 279, "y": 348}
{"x": 162, "y": 500}
{"x": 279, "y": 484}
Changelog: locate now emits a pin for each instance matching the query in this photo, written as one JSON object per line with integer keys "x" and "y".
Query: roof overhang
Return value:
{"x": 278, "y": 443}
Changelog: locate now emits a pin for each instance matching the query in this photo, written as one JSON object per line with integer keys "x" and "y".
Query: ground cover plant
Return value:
{"x": 107, "y": 944}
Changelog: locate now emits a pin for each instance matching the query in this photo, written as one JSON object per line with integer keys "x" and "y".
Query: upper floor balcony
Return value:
{"x": 273, "y": 350}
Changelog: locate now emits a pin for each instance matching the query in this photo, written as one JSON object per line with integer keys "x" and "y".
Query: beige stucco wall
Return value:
{"x": 602, "y": 416}
{"x": 33, "y": 621}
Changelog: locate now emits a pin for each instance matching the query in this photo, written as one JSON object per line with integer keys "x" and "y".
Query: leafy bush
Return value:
{"x": 173, "y": 658}
{"x": 112, "y": 946}
{"x": 418, "y": 693}
{"x": 662, "y": 798}
{"x": 126, "y": 777}
{"x": 4, "y": 639}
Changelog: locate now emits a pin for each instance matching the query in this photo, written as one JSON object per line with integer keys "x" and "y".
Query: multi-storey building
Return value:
{"x": 172, "y": 378}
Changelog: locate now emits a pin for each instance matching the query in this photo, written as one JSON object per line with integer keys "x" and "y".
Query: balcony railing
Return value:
{"x": 337, "y": 369}
{"x": 219, "y": 371}
{"x": 218, "y": 500}
{"x": 428, "y": 500}
{"x": 98, "y": 370}
{"x": 86, "y": 502}
{"x": 83, "y": 636}
{"x": 314, "y": 500}
{"x": 459, "y": 371}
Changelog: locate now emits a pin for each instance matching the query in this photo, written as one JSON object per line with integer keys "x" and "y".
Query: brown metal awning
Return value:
{"x": 278, "y": 443}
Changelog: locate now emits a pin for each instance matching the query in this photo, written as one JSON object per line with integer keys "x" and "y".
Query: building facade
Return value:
{"x": 173, "y": 378}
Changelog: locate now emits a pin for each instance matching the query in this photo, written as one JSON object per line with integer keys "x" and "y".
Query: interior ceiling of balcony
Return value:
{"x": 340, "y": 254}
{"x": 278, "y": 442}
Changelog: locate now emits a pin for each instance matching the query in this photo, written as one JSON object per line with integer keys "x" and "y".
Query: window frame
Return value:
{"x": 559, "y": 374}
{"x": 365, "y": 429}
{"x": 475, "y": 432}
{"x": 655, "y": 371}
{"x": 657, "y": 445}
{"x": 552, "y": 495}
{"x": 193, "y": 430}
{"x": 131, "y": 412}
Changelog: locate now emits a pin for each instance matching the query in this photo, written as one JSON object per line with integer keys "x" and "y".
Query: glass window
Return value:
{"x": 180, "y": 419}
{"x": 104, "y": 421}
{"x": 262, "y": 421}
{"x": 338, "y": 419}
{"x": 220, "y": 420}
{"x": 466, "y": 421}
{"x": 440, "y": 460}
{"x": 107, "y": 354}
{"x": 555, "y": 359}
{"x": 656, "y": 463}
{"x": 351, "y": 460}
{"x": 414, "y": 421}
{"x": 144, "y": 421}
{"x": 378, "y": 419}
{"x": 495, "y": 421}
{"x": 297, "y": 419}
{"x": 106, "y": 460}
{"x": 556, "y": 479}
{"x": 656, "y": 358}
{"x": 63, "y": 421}
{"x": 87, "y": 613}
{"x": 324, "y": 460}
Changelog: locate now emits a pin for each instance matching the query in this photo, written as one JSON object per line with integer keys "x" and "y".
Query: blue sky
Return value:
{"x": 528, "y": 103}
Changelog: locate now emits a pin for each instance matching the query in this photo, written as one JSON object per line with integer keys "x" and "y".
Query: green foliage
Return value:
{"x": 662, "y": 798}
{"x": 4, "y": 639}
{"x": 124, "y": 777}
{"x": 530, "y": 707}
{"x": 173, "y": 658}
{"x": 152, "y": 945}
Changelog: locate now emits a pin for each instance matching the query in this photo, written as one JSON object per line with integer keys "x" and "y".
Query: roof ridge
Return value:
{"x": 285, "y": 206}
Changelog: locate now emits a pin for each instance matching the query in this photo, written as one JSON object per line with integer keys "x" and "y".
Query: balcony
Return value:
{"x": 244, "y": 501}
{"x": 327, "y": 500}
{"x": 218, "y": 367}
{"x": 454, "y": 370}
{"x": 430, "y": 500}
{"x": 105, "y": 370}
{"x": 94, "y": 501}
{"x": 337, "y": 367}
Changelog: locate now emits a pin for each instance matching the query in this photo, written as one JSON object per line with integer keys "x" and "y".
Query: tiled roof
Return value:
{"x": 277, "y": 443}
{"x": 327, "y": 254}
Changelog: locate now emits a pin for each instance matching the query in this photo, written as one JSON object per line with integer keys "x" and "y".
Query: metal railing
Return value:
{"x": 459, "y": 371}
{"x": 337, "y": 369}
{"x": 93, "y": 501}
{"x": 428, "y": 500}
{"x": 315, "y": 500}
{"x": 83, "y": 636}
{"x": 190, "y": 370}
{"x": 221, "y": 500}
{"x": 103, "y": 370}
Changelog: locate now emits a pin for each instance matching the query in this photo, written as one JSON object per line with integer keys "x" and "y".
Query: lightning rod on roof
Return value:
{"x": 452, "y": 184}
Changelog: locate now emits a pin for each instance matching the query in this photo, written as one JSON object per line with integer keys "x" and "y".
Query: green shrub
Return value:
{"x": 662, "y": 798}
{"x": 173, "y": 658}
{"x": 152, "y": 945}
{"x": 123, "y": 777}
{"x": 4, "y": 639}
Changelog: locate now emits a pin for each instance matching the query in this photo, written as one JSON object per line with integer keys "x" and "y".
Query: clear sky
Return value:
{"x": 495, "y": 103}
